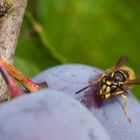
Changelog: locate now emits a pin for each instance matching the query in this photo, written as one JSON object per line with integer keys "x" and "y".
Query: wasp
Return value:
{"x": 116, "y": 82}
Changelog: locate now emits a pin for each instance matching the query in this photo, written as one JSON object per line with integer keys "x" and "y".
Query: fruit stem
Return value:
{"x": 14, "y": 89}
{"x": 22, "y": 79}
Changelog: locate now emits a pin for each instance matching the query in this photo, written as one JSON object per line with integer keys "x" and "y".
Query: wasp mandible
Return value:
{"x": 116, "y": 82}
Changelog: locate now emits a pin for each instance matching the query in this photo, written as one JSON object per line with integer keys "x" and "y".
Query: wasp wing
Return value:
{"x": 121, "y": 61}
{"x": 133, "y": 82}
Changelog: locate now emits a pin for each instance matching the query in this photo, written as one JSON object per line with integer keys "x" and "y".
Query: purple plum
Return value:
{"x": 73, "y": 77}
{"x": 48, "y": 115}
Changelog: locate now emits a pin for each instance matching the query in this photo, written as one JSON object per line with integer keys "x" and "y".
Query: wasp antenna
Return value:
{"x": 82, "y": 89}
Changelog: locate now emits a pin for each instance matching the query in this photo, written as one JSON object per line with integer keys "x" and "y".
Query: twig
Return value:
{"x": 39, "y": 29}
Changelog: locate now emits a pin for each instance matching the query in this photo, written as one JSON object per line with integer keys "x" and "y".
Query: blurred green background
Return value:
{"x": 94, "y": 32}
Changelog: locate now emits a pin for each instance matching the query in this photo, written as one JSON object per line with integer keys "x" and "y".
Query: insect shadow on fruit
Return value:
{"x": 115, "y": 82}
{"x": 21, "y": 78}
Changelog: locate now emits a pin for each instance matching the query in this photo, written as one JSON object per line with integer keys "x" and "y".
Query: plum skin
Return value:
{"x": 72, "y": 77}
{"x": 48, "y": 115}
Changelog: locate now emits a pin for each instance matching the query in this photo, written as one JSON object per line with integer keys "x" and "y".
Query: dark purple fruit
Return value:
{"x": 71, "y": 78}
{"x": 48, "y": 115}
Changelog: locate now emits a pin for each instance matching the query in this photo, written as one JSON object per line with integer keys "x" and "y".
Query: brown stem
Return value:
{"x": 14, "y": 89}
{"x": 27, "y": 83}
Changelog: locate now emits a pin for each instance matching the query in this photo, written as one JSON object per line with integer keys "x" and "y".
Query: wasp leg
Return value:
{"x": 118, "y": 93}
{"x": 125, "y": 107}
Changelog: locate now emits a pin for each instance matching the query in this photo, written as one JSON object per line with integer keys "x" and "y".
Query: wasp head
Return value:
{"x": 112, "y": 82}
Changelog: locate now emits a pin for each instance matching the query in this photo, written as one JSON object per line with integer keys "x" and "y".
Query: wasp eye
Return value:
{"x": 119, "y": 76}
